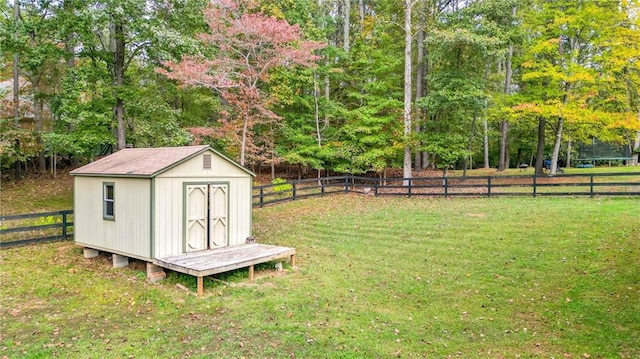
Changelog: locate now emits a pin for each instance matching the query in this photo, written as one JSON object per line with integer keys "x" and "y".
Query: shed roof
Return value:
{"x": 145, "y": 162}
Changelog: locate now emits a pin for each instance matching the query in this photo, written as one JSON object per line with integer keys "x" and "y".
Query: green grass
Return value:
{"x": 36, "y": 194}
{"x": 376, "y": 277}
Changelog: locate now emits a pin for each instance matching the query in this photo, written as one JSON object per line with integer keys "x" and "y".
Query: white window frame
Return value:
{"x": 106, "y": 201}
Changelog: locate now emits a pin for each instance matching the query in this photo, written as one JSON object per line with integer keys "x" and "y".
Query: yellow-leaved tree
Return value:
{"x": 575, "y": 58}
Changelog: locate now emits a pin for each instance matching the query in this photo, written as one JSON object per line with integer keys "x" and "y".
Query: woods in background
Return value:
{"x": 348, "y": 86}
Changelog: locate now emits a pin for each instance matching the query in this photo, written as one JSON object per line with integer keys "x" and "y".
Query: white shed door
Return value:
{"x": 218, "y": 216}
{"x": 197, "y": 209}
{"x": 207, "y": 215}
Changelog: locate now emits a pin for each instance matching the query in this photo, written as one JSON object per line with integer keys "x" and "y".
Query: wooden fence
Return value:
{"x": 596, "y": 184}
{"x": 23, "y": 229}
{"x": 43, "y": 227}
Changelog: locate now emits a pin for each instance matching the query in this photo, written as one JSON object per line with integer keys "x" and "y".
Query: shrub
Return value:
{"x": 281, "y": 188}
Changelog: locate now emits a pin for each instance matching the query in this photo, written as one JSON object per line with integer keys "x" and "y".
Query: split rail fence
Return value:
{"x": 20, "y": 229}
{"x": 597, "y": 184}
{"x": 43, "y": 227}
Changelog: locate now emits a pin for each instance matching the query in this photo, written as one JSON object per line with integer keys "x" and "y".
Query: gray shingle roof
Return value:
{"x": 139, "y": 162}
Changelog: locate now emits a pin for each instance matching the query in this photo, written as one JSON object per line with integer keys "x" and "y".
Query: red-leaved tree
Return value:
{"x": 245, "y": 45}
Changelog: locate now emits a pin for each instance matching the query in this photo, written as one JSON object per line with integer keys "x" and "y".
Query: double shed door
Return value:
{"x": 207, "y": 216}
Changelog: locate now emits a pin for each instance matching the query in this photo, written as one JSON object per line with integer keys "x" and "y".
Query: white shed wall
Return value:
{"x": 220, "y": 167}
{"x": 169, "y": 208}
{"x": 130, "y": 233}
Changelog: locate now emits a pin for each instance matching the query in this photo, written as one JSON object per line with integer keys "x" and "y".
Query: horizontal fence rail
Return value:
{"x": 50, "y": 226}
{"x": 292, "y": 190}
{"x": 21, "y": 229}
{"x": 596, "y": 184}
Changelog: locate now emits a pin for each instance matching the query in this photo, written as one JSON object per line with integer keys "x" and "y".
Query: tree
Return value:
{"x": 461, "y": 49}
{"x": 245, "y": 47}
{"x": 621, "y": 74}
{"x": 367, "y": 132}
{"x": 504, "y": 125}
{"x": 562, "y": 71}
{"x": 34, "y": 41}
{"x": 408, "y": 89}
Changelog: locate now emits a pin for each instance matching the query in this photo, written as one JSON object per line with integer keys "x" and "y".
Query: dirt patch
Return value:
{"x": 477, "y": 215}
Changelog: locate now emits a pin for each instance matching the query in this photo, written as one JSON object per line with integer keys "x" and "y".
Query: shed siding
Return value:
{"x": 169, "y": 208}
{"x": 129, "y": 233}
{"x": 169, "y": 212}
{"x": 193, "y": 168}
{"x": 150, "y": 212}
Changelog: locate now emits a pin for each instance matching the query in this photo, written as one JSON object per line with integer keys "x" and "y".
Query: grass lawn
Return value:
{"x": 36, "y": 194}
{"x": 376, "y": 277}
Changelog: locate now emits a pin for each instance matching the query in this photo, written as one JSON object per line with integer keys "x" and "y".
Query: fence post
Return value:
{"x": 261, "y": 196}
{"x": 64, "y": 225}
{"x": 322, "y": 183}
{"x": 591, "y": 185}
{"x": 293, "y": 191}
{"x": 346, "y": 183}
{"x": 375, "y": 187}
{"x": 446, "y": 187}
{"x": 409, "y": 189}
{"x": 534, "y": 185}
{"x": 488, "y": 186}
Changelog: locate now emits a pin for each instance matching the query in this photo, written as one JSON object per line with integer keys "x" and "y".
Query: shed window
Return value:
{"x": 206, "y": 162}
{"x": 109, "y": 201}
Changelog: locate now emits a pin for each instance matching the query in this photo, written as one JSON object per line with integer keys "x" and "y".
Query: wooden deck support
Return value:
{"x": 200, "y": 286}
{"x": 204, "y": 263}
{"x": 155, "y": 273}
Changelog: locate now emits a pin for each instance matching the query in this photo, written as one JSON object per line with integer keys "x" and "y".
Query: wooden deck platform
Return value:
{"x": 204, "y": 263}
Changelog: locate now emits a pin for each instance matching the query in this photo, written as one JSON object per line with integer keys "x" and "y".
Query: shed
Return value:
{"x": 162, "y": 205}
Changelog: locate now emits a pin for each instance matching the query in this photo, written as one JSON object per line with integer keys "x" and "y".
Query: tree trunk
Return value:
{"x": 16, "y": 69}
{"x": 542, "y": 123}
{"x": 636, "y": 148}
{"x": 69, "y": 41}
{"x": 38, "y": 113}
{"x": 327, "y": 94}
{"x": 273, "y": 169}
{"x": 406, "y": 168}
{"x": 504, "y": 128}
{"x": 361, "y": 13}
{"x": 468, "y": 161}
{"x": 243, "y": 142}
{"x": 519, "y": 156}
{"x": 316, "y": 108}
{"x": 426, "y": 161}
{"x": 38, "y": 106}
{"x": 556, "y": 147}
{"x": 635, "y": 153}
{"x": 507, "y": 163}
{"x": 346, "y": 24}
{"x": 118, "y": 110}
{"x": 485, "y": 142}
{"x": 71, "y": 63}
{"x": 419, "y": 93}
{"x": 567, "y": 163}
{"x": 326, "y": 80}
{"x": 118, "y": 48}
{"x": 16, "y": 88}
{"x": 504, "y": 125}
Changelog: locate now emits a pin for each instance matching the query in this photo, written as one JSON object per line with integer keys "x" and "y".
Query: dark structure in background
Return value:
{"x": 599, "y": 152}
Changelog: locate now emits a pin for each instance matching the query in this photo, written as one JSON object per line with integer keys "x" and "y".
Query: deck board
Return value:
{"x": 208, "y": 262}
